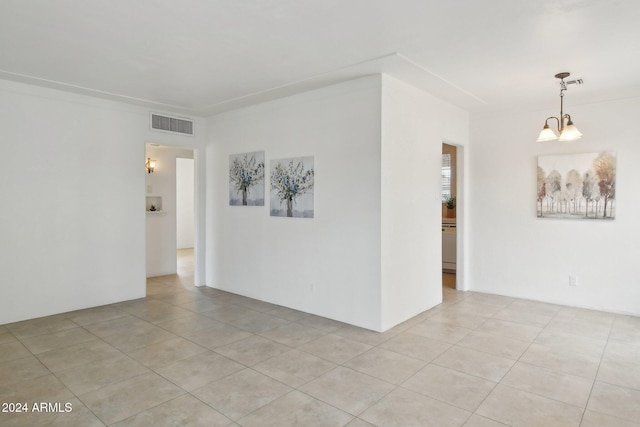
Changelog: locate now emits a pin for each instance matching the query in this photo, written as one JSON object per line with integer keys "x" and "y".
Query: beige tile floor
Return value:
{"x": 202, "y": 357}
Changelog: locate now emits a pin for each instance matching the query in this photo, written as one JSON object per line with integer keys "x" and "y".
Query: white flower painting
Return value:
{"x": 246, "y": 179}
{"x": 292, "y": 182}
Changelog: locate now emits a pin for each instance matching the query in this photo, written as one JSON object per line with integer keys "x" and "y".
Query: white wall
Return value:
{"x": 328, "y": 265}
{"x": 72, "y": 221}
{"x": 162, "y": 226}
{"x": 372, "y": 254}
{"x": 184, "y": 203}
{"x": 514, "y": 252}
{"x": 414, "y": 125}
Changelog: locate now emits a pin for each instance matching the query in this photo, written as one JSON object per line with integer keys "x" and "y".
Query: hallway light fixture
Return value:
{"x": 566, "y": 128}
{"x": 150, "y": 165}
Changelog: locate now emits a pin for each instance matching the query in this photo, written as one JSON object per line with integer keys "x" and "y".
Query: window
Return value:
{"x": 445, "y": 180}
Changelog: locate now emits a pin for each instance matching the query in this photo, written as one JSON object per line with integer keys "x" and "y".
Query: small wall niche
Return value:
{"x": 154, "y": 204}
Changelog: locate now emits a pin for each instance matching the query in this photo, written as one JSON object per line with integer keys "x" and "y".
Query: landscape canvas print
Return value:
{"x": 292, "y": 182}
{"x": 577, "y": 186}
{"x": 246, "y": 179}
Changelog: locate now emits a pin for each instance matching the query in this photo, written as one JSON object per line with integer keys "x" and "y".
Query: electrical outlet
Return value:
{"x": 573, "y": 280}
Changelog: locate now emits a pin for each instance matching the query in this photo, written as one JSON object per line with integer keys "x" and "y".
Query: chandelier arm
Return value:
{"x": 556, "y": 119}
{"x": 561, "y": 121}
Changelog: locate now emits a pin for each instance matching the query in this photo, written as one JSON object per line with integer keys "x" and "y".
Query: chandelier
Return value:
{"x": 566, "y": 129}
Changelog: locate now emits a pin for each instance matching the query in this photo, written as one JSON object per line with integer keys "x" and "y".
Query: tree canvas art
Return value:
{"x": 292, "y": 183}
{"x": 577, "y": 186}
{"x": 246, "y": 179}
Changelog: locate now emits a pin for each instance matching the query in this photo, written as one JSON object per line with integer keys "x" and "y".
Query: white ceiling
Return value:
{"x": 200, "y": 57}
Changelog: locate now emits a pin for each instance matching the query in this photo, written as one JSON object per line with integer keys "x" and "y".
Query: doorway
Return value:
{"x": 185, "y": 227}
{"x": 170, "y": 218}
{"x": 451, "y": 187}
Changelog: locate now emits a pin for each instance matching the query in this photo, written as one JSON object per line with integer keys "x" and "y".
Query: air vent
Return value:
{"x": 171, "y": 124}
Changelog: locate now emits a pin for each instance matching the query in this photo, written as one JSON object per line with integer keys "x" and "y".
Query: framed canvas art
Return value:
{"x": 292, "y": 182}
{"x": 577, "y": 186}
{"x": 246, "y": 179}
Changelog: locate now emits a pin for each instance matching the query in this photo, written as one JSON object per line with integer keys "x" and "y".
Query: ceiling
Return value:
{"x": 201, "y": 57}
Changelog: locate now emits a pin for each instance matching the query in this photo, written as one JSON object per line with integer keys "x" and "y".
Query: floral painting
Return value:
{"x": 292, "y": 182}
{"x": 246, "y": 179}
{"x": 577, "y": 186}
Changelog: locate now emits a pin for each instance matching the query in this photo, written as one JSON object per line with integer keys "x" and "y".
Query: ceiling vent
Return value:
{"x": 171, "y": 124}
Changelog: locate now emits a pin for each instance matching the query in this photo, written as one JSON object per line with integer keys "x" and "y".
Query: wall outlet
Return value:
{"x": 573, "y": 280}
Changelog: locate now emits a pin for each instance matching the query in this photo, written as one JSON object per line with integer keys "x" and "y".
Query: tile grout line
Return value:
{"x": 595, "y": 378}
{"x": 505, "y": 374}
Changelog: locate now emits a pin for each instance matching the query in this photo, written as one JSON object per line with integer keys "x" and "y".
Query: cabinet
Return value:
{"x": 449, "y": 247}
